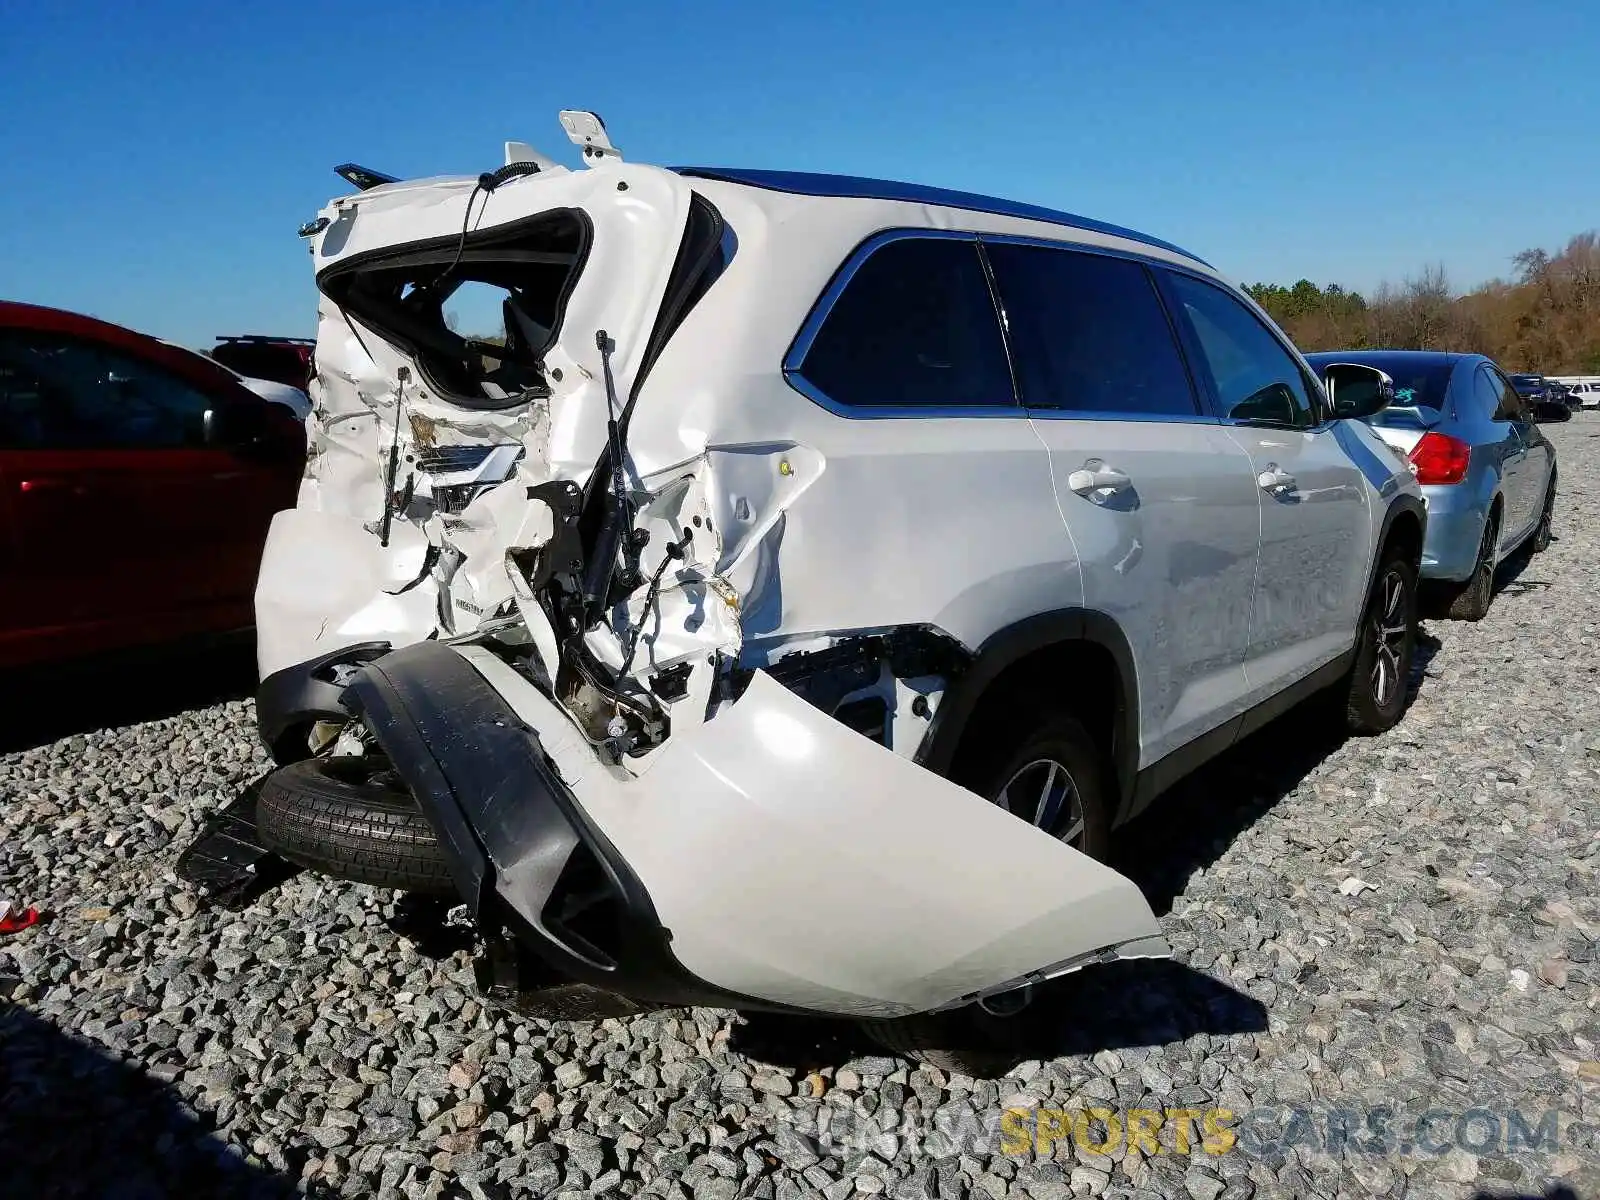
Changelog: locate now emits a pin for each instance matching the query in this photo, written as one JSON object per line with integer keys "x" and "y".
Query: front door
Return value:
{"x": 1316, "y": 526}
{"x": 1161, "y": 505}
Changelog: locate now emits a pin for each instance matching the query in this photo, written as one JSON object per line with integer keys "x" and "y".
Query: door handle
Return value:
{"x": 1275, "y": 481}
{"x": 1094, "y": 478}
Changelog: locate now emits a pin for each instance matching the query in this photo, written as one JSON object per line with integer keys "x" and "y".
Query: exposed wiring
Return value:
{"x": 487, "y": 182}
{"x": 675, "y": 551}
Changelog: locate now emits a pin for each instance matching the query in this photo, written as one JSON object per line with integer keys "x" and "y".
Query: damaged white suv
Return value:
{"x": 782, "y": 598}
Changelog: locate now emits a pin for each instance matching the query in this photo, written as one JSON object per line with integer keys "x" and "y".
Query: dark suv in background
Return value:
{"x": 1543, "y": 399}
{"x": 280, "y": 359}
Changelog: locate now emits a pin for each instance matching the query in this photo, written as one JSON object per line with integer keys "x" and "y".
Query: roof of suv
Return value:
{"x": 807, "y": 183}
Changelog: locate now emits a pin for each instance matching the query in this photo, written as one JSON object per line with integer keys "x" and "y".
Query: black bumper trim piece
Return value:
{"x": 507, "y": 820}
{"x": 227, "y": 863}
{"x": 292, "y": 699}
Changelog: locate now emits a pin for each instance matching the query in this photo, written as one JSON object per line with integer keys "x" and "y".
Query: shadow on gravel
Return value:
{"x": 1508, "y": 578}
{"x": 76, "y": 1122}
{"x": 1559, "y": 1192}
{"x": 425, "y": 922}
{"x": 1191, "y": 826}
{"x": 1120, "y": 1005}
{"x": 59, "y": 700}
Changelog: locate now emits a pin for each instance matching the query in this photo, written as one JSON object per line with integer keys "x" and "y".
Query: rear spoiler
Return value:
{"x": 361, "y": 178}
{"x": 1407, "y": 416}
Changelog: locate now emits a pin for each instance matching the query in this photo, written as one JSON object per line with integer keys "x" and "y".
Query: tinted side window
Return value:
{"x": 1255, "y": 378}
{"x": 1088, "y": 333}
{"x": 66, "y": 394}
{"x": 915, "y": 325}
{"x": 1510, "y": 407}
{"x": 1486, "y": 394}
{"x": 27, "y": 407}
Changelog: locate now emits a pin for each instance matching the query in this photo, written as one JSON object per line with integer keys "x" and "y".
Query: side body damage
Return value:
{"x": 656, "y": 641}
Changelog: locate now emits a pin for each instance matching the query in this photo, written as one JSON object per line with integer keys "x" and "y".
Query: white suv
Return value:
{"x": 780, "y": 600}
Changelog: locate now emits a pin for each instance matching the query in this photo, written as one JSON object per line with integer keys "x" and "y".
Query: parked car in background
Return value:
{"x": 1488, "y": 474}
{"x": 295, "y": 400}
{"x": 137, "y": 481}
{"x": 1540, "y": 399}
{"x": 1529, "y": 386}
{"x": 882, "y": 561}
{"x": 286, "y": 360}
{"x": 1588, "y": 393}
{"x": 1583, "y": 389}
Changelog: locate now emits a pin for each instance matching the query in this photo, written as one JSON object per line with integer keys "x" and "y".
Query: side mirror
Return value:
{"x": 1357, "y": 391}
{"x": 1272, "y": 405}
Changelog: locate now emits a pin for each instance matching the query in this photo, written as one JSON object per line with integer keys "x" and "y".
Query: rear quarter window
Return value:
{"x": 914, "y": 325}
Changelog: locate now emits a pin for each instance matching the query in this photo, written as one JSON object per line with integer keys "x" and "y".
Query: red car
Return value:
{"x": 137, "y": 481}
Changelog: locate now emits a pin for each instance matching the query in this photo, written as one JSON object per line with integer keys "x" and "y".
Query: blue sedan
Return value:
{"x": 1487, "y": 472}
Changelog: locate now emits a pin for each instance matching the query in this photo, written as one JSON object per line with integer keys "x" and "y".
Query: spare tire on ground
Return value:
{"x": 352, "y": 818}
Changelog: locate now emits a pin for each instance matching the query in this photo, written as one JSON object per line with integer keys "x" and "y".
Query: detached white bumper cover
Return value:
{"x": 797, "y": 863}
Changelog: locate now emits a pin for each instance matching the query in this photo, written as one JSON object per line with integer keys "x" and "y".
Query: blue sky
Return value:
{"x": 155, "y": 160}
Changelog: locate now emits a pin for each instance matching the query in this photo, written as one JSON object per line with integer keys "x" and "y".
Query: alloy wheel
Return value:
{"x": 1389, "y": 628}
{"x": 1043, "y": 794}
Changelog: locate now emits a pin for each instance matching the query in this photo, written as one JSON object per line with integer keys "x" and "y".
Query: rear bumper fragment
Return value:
{"x": 482, "y": 778}
{"x": 291, "y": 700}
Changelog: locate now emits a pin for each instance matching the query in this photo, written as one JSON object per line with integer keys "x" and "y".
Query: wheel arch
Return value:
{"x": 1405, "y": 524}
{"x": 1405, "y": 527}
{"x": 1028, "y": 657}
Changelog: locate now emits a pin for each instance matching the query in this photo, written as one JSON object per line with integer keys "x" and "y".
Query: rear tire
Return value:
{"x": 349, "y": 817}
{"x": 1471, "y": 601}
{"x": 1375, "y": 696}
{"x": 973, "y": 1040}
{"x": 1542, "y": 535}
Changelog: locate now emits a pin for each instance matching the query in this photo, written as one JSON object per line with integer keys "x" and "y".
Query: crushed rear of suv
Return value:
{"x": 705, "y": 600}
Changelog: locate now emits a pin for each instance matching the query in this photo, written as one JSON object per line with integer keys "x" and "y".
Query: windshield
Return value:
{"x": 1419, "y": 381}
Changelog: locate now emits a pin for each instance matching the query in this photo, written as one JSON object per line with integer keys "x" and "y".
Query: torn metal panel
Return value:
{"x": 814, "y": 869}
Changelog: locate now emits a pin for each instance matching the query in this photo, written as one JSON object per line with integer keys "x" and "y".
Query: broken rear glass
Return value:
{"x": 478, "y": 314}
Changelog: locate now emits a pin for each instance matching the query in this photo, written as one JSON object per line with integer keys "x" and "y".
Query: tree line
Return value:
{"x": 1546, "y": 318}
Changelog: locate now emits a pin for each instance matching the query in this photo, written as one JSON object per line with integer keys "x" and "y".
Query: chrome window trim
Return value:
{"x": 1073, "y": 414}
{"x": 818, "y": 316}
{"x": 823, "y": 306}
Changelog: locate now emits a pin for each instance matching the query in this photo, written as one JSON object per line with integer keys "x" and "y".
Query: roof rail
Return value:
{"x": 806, "y": 183}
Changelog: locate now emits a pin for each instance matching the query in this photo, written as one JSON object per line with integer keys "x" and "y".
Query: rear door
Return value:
{"x": 1522, "y": 458}
{"x": 1316, "y": 527}
{"x": 930, "y": 459}
{"x": 64, "y": 497}
{"x": 1161, "y": 505}
{"x": 128, "y": 525}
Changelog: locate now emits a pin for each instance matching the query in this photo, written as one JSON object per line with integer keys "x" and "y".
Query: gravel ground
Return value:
{"x": 1366, "y": 932}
